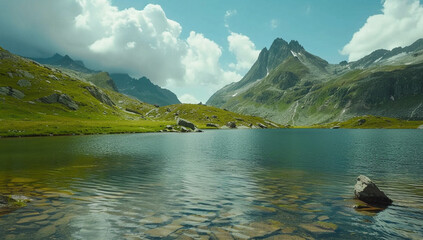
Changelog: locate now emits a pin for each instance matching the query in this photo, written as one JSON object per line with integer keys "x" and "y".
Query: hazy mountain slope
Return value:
{"x": 144, "y": 90}
{"x": 58, "y": 60}
{"x": 304, "y": 90}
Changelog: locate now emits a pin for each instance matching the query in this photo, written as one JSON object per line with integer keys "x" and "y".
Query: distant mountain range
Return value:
{"x": 289, "y": 85}
{"x": 142, "y": 89}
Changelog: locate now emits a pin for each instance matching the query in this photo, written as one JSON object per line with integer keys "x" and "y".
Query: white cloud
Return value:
{"x": 244, "y": 50}
{"x": 274, "y": 24}
{"x": 400, "y": 24}
{"x": 138, "y": 42}
{"x": 187, "y": 98}
{"x": 229, "y": 14}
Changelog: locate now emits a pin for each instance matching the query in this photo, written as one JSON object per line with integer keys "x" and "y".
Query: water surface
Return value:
{"x": 276, "y": 184}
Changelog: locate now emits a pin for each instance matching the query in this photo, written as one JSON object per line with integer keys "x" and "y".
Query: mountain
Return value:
{"x": 36, "y": 99}
{"x": 289, "y": 85}
{"x": 144, "y": 90}
{"x": 64, "y": 62}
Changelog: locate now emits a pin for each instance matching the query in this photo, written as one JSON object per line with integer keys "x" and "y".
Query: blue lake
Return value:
{"x": 223, "y": 184}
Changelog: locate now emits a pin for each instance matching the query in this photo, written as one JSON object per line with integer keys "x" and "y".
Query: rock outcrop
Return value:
{"x": 231, "y": 125}
{"x": 24, "y": 83}
{"x": 366, "y": 191}
{"x": 212, "y": 125}
{"x": 8, "y": 91}
{"x": 185, "y": 123}
{"x": 100, "y": 95}
{"x": 62, "y": 99}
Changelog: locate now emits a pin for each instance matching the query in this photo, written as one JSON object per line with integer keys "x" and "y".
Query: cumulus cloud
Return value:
{"x": 139, "y": 42}
{"x": 187, "y": 98}
{"x": 244, "y": 50}
{"x": 400, "y": 24}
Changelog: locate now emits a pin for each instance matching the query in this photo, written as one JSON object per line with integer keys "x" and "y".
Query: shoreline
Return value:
{"x": 179, "y": 132}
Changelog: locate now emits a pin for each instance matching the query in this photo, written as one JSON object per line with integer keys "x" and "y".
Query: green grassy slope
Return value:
{"x": 24, "y": 114}
{"x": 371, "y": 122}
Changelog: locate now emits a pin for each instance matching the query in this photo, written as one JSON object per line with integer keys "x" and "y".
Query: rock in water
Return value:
{"x": 185, "y": 123}
{"x": 366, "y": 191}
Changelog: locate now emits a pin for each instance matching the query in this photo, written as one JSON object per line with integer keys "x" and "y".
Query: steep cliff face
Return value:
{"x": 299, "y": 88}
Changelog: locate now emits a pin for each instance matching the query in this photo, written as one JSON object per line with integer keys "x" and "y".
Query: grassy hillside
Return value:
{"x": 201, "y": 115}
{"x": 372, "y": 122}
{"x": 40, "y": 100}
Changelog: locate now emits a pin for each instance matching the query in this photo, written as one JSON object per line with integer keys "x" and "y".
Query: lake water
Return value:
{"x": 233, "y": 184}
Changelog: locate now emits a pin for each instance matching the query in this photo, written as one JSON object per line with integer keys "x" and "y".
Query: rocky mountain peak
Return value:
{"x": 295, "y": 46}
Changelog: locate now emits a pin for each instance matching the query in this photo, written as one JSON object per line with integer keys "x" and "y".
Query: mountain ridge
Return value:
{"x": 304, "y": 89}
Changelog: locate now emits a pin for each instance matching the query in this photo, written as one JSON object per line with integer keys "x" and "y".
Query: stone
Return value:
{"x": 198, "y": 130}
{"x": 315, "y": 229}
{"x": 184, "y": 129}
{"x": 261, "y": 125}
{"x": 169, "y": 127}
{"x": 24, "y": 83}
{"x": 214, "y": 116}
{"x": 62, "y": 99}
{"x": 53, "y": 77}
{"x": 361, "y": 122}
{"x": 231, "y": 124}
{"x": 212, "y": 125}
{"x": 163, "y": 231}
{"x": 420, "y": 127}
{"x": 185, "y": 123}
{"x": 8, "y": 91}
{"x": 336, "y": 127}
{"x": 46, "y": 232}
{"x": 26, "y": 74}
{"x": 366, "y": 191}
{"x": 33, "y": 219}
{"x": 100, "y": 95}
{"x": 285, "y": 237}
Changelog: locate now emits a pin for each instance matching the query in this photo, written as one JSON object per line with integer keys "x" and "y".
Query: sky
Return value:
{"x": 195, "y": 47}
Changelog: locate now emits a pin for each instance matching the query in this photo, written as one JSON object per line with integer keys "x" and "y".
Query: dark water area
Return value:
{"x": 234, "y": 184}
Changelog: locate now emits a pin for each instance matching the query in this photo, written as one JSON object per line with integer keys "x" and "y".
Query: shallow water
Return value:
{"x": 276, "y": 184}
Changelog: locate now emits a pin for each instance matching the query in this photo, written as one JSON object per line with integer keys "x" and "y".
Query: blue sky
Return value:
{"x": 195, "y": 47}
{"x": 323, "y": 27}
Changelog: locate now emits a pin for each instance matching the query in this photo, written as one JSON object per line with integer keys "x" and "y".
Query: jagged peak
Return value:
{"x": 295, "y": 46}
{"x": 278, "y": 43}
{"x": 56, "y": 55}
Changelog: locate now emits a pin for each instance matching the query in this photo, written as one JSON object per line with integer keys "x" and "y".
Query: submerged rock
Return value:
{"x": 11, "y": 203}
{"x": 366, "y": 191}
{"x": 185, "y": 123}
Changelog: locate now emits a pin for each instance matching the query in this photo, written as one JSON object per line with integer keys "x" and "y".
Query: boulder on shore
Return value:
{"x": 231, "y": 125}
{"x": 185, "y": 123}
{"x": 212, "y": 125}
{"x": 366, "y": 191}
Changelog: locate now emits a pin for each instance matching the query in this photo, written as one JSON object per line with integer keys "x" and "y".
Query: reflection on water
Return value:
{"x": 275, "y": 184}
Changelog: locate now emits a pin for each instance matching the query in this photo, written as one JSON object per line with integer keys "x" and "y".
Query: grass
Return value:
{"x": 372, "y": 122}
{"x": 30, "y": 117}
